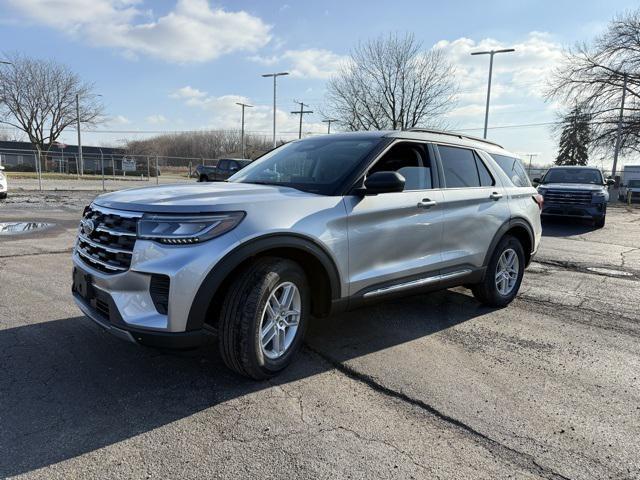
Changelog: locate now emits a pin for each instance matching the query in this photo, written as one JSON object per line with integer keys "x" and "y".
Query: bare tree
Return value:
{"x": 391, "y": 83}
{"x": 38, "y": 97}
{"x": 593, "y": 76}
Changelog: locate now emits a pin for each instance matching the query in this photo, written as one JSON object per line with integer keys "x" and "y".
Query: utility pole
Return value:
{"x": 275, "y": 76}
{"x": 242, "y": 131}
{"x": 301, "y": 112}
{"x": 81, "y": 164}
{"x": 491, "y": 53}
{"x": 329, "y": 121}
{"x": 619, "y": 134}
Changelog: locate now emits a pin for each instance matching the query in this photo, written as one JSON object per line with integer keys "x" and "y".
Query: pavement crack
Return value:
{"x": 497, "y": 448}
{"x": 51, "y": 252}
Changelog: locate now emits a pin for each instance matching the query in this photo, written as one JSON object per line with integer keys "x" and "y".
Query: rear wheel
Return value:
{"x": 264, "y": 317}
{"x": 3, "y": 195}
{"x": 504, "y": 273}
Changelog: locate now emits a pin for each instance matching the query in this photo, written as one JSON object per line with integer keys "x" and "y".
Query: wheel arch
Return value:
{"x": 521, "y": 229}
{"x": 319, "y": 266}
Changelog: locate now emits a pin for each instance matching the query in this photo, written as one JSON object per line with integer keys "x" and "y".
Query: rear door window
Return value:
{"x": 460, "y": 168}
{"x": 513, "y": 168}
{"x": 223, "y": 165}
{"x": 486, "y": 180}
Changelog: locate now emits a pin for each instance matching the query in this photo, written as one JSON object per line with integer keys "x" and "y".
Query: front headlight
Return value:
{"x": 186, "y": 229}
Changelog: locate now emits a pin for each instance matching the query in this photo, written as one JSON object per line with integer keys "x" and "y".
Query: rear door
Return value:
{"x": 474, "y": 207}
{"x": 394, "y": 237}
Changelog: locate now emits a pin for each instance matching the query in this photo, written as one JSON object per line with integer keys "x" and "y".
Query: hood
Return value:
{"x": 587, "y": 187}
{"x": 196, "y": 197}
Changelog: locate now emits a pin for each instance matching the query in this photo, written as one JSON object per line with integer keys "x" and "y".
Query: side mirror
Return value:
{"x": 536, "y": 180}
{"x": 611, "y": 181}
{"x": 384, "y": 182}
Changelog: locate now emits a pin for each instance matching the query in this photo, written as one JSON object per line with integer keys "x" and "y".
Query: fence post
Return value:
{"x": 113, "y": 168}
{"x": 157, "y": 171}
{"x": 148, "y": 170}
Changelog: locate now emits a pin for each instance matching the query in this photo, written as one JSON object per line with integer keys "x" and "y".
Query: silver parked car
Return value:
{"x": 313, "y": 227}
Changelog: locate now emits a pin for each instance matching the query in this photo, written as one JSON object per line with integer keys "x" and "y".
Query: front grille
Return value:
{"x": 106, "y": 239}
{"x": 567, "y": 197}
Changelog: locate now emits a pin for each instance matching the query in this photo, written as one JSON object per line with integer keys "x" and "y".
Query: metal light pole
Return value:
{"x": 274, "y": 75}
{"x": 329, "y": 121}
{"x": 242, "y": 131}
{"x": 491, "y": 53}
{"x": 81, "y": 167}
{"x": 102, "y": 167}
{"x": 81, "y": 160}
{"x": 619, "y": 132}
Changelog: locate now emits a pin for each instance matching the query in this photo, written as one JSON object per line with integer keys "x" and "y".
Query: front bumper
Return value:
{"x": 123, "y": 302}
{"x": 184, "y": 340}
{"x": 576, "y": 211}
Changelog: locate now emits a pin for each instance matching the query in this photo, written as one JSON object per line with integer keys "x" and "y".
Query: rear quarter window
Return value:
{"x": 513, "y": 168}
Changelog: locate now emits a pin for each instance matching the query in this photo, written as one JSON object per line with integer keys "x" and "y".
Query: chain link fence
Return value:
{"x": 27, "y": 170}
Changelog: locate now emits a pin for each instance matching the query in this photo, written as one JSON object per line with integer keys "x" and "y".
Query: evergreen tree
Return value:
{"x": 574, "y": 138}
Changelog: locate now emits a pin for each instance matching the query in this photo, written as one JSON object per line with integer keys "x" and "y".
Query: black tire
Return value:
{"x": 599, "y": 222}
{"x": 486, "y": 291}
{"x": 3, "y": 195}
{"x": 203, "y": 178}
{"x": 241, "y": 315}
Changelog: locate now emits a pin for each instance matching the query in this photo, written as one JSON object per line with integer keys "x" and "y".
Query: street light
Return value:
{"x": 243, "y": 105}
{"x": 274, "y": 75}
{"x": 81, "y": 160}
{"x": 491, "y": 53}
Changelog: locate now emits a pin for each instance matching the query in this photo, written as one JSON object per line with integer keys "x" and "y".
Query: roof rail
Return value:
{"x": 454, "y": 134}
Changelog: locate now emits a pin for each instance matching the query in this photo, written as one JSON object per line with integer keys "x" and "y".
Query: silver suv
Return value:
{"x": 314, "y": 227}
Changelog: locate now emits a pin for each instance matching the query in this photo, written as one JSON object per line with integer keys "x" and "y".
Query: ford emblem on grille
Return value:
{"x": 87, "y": 226}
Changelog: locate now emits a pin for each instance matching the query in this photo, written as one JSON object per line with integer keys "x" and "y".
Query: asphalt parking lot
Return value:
{"x": 432, "y": 386}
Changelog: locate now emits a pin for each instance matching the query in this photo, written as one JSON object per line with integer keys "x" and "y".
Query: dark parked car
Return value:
{"x": 223, "y": 170}
{"x": 571, "y": 191}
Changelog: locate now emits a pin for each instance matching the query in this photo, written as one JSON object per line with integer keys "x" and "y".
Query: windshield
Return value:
{"x": 634, "y": 183}
{"x": 316, "y": 165}
{"x": 573, "y": 175}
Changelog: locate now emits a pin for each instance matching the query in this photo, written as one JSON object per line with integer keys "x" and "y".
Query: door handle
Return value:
{"x": 426, "y": 203}
{"x": 495, "y": 196}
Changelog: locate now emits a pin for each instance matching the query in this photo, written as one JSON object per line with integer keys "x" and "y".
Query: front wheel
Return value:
{"x": 504, "y": 273}
{"x": 599, "y": 222}
{"x": 264, "y": 317}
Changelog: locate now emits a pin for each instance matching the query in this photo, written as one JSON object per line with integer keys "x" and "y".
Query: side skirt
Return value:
{"x": 408, "y": 287}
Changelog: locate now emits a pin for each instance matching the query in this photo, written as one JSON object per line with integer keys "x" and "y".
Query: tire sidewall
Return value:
{"x": 287, "y": 272}
{"x": 505, "y": 244}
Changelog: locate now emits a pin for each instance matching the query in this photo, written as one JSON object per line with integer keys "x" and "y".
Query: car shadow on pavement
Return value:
{"x": 566, "y": 227}
{"x": 68, "y": 388}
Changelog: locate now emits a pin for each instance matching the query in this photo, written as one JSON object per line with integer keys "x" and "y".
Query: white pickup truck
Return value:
{"x": 630, "y": 183}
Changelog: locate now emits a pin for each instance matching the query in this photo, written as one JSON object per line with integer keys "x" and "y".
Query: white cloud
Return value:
{"x": 316, "y": 63}
{"x": 156, "y": 119}
{"x": 192, "y": 32}
{"x": 225, "y": 114}
{"x": 119, "y": 120}
{"x": 525, "y": 70}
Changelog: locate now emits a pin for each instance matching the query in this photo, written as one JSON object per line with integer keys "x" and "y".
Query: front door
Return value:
{"x": 396, "y": 236}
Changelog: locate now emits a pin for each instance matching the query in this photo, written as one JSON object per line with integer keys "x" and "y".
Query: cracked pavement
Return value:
{"x": 432, "y": 386}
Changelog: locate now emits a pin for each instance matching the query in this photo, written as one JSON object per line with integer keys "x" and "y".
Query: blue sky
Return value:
{"x": 182, "y": 64}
